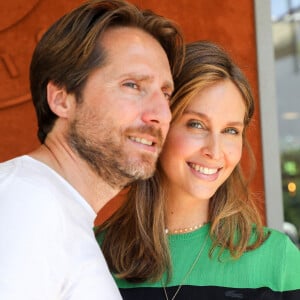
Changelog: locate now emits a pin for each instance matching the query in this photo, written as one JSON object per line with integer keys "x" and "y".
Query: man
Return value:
{"x": 101, "y": 79}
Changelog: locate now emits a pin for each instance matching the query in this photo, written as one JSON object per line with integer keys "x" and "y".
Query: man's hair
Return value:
{"x": 71, "y": 49}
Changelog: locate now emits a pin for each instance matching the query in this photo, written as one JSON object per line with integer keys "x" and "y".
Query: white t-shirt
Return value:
{"x": 47, "y": 247}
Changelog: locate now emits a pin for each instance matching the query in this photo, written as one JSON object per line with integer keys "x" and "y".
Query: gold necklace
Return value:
{"x": 185, "y": 230}
{"x": 188, "y": 272}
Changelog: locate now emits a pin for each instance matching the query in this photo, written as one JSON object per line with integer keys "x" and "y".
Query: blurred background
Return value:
{"x": 285, "y": 16}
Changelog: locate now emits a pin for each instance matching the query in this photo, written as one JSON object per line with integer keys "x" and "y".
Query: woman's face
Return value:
{"x": 204, "y": 145}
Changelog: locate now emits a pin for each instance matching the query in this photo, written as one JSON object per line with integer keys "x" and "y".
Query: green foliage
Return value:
{"x": 290, "y": 168}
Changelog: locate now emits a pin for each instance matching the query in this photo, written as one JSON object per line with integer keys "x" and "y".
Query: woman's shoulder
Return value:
{"x": 275, "y": 235}
{"x": 279, "y": 242}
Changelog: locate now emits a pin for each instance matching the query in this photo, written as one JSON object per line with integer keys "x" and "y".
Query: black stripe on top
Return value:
{"x": 208, "y": 293}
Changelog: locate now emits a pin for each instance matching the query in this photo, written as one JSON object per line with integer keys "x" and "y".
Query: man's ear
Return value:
{"x": 59, "y": 101}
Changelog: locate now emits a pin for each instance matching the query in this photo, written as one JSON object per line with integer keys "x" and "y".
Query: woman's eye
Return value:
{"x": 232, "y": 131}
{"x": 195, "y": 124}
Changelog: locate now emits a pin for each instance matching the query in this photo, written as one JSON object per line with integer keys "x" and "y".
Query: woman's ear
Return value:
{"x": 59, "y": 101}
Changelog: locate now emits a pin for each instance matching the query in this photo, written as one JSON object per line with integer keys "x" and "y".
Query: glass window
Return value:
{"x": 286, "y": 42}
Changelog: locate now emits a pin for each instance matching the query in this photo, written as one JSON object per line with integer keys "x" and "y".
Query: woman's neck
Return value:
{"x": 185, "y": 214}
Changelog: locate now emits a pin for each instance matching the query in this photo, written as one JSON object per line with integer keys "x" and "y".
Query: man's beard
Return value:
{"x": 106, "y": 155}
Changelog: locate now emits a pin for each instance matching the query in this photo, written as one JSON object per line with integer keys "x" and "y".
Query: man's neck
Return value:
{"x": 77, "y": 172}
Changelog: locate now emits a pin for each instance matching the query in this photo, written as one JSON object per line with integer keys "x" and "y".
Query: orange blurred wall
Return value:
{"x": 226, "y": 22}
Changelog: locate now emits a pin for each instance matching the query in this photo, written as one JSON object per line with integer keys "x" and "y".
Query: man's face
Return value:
{"x": 121, "y": 124}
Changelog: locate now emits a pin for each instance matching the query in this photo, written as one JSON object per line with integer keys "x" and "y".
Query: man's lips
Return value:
{"x": 143, "y": 141}
{"x": 146, "y": 135}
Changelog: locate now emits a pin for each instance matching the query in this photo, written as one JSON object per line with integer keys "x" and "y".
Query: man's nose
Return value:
{"x": 157, "y": 109}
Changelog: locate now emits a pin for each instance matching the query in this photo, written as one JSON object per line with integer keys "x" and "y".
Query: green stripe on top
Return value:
{"x": 275, "y": 264}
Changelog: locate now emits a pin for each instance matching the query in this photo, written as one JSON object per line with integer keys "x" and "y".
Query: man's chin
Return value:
{"x": 142, "y": 170}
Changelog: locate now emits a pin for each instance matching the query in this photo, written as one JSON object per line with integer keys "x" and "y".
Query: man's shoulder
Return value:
{"x": 27, "y": 189}
{"x": 23, "y": 169}
{"x": 29, "y": 177}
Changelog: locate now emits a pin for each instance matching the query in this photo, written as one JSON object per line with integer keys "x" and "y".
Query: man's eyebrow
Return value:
{"x": 141, "y": 77}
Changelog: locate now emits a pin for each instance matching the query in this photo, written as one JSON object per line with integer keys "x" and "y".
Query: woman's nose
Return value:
{"x": 213, "y": 146}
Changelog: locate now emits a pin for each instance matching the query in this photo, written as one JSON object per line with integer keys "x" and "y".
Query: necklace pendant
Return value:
{"x": 188, "y": 272}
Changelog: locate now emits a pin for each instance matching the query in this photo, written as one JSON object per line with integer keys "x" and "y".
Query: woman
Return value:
{"x": 193, "y": 231}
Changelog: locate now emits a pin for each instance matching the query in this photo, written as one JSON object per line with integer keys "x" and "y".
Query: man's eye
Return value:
{"x": 168, "y": 96}
{"x": 131, "y": 85}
